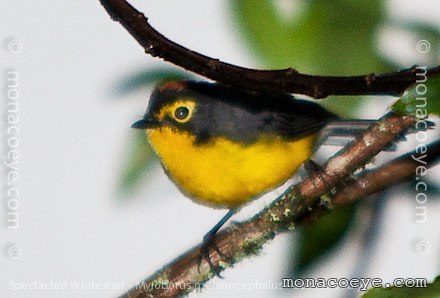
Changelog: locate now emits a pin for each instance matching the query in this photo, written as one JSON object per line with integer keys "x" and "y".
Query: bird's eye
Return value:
{"x": 181, "y": 113}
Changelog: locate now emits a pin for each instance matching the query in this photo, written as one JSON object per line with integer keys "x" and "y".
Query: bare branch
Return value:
{"x": 288, "y": 80}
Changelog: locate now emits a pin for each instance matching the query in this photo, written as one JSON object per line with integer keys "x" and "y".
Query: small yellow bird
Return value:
{"x": 223, "y": 146}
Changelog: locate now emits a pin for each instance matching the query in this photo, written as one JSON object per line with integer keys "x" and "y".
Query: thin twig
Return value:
{"x": 245, "y": 239}
{"x": 288, "y": 80}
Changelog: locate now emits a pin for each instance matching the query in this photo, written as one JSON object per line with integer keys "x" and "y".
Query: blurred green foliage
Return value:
{"x": 140, "y": 160}
{"x": 327, "y": 230}
{"x": 423, "y": 96}
{"x": 322, "y": 37}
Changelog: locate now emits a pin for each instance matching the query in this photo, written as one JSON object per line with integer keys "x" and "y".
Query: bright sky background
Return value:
{"x": 73, "y": 133}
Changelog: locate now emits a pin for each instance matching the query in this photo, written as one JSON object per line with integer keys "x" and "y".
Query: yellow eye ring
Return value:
{"x": 182, "y": 110}
{"x": 181, "y": 113}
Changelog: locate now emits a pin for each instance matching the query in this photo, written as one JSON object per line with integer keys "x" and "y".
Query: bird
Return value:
{"x": 224, "y": 146}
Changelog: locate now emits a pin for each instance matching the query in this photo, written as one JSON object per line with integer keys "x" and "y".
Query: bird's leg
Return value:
{"x": 209, "y": 241}
{"x": 313, "y": 169}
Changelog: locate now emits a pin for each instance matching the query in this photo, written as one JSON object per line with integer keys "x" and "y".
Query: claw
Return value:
{"x": 313, "y": 169}
{"x": 209, "y": 242}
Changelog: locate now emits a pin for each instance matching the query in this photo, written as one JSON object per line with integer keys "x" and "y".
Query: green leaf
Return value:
{"x": 140, "y": 160}
{"x": 422, "y": 98}
{"x": 431, "y": 291}
{"x": 322, "y": 236}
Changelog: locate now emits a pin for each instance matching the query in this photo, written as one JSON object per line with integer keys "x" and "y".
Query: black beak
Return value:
{"x": 144, "y": 123}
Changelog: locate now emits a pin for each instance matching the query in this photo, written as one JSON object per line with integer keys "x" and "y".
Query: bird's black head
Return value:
{"x": 209, "y": 110}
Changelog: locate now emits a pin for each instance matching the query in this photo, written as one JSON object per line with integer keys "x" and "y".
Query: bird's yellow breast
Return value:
{"x": 226, "y": 174}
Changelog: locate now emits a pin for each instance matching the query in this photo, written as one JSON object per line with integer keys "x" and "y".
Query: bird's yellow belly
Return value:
{"x": 226, "y": 174}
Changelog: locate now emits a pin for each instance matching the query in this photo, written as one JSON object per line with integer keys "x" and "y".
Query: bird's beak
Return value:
{"x": 144, "y": 123}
